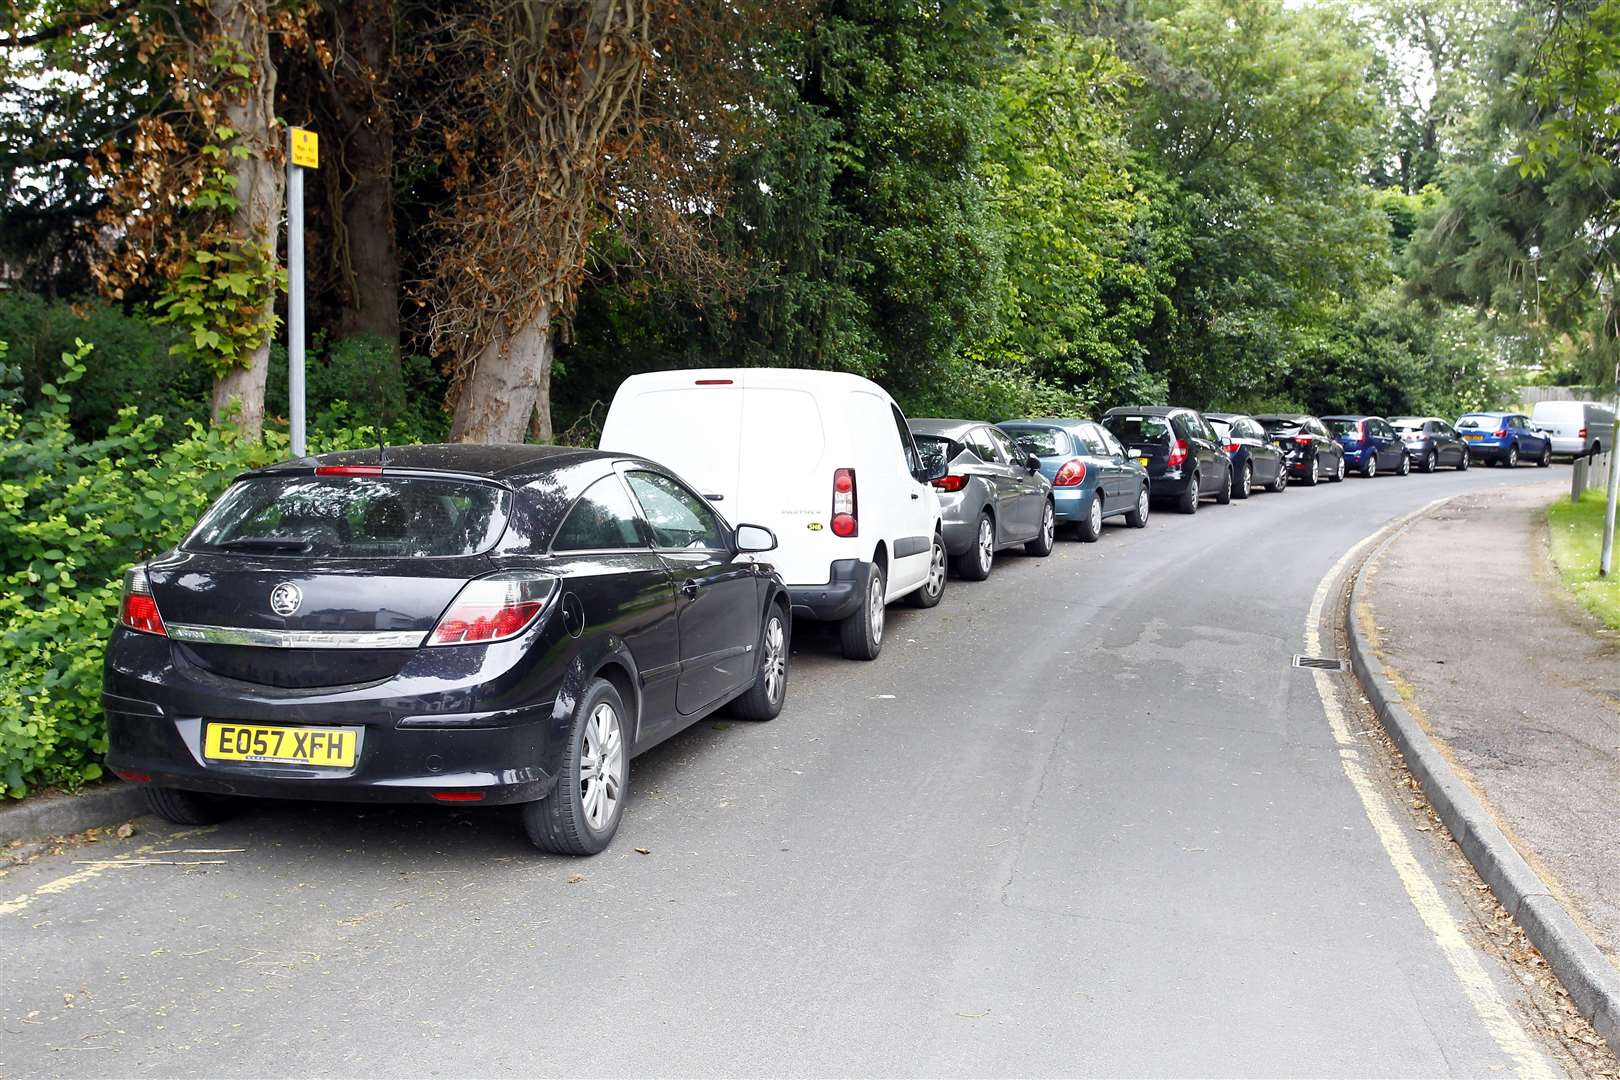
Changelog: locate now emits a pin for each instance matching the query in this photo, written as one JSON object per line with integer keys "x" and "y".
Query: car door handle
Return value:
{"x": 914, "y": 495}
{"x": 691, "y": 588}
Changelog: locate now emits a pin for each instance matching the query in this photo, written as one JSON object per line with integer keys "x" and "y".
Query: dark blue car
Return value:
{"x": 1371, "y": 444}
{"x": 1504, "y": 438}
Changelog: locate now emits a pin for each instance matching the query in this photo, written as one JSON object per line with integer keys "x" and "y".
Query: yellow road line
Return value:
{"x": 79, "y": 877}
{"x": 1481, "y": 991}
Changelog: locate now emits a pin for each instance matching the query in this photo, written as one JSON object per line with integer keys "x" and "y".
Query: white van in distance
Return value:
{"x": 823, "y": 458}
{"x": 1576, "y": 427}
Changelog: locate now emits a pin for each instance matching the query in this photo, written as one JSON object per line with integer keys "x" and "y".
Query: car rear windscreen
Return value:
{"x": 1042, "y": 442}
{"x": 1138, "y": 429}
{"x": 1281, "y": 427}
{"x": 357, "y": 517}
{"x": 1344, "y": 427}
{"x": 1407, "y": 425}
{"x": 1476, "y": 421}
{"x": 936, "y": 450}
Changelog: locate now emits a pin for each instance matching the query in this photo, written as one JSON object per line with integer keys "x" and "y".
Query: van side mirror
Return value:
{"x": 752, "y": 538}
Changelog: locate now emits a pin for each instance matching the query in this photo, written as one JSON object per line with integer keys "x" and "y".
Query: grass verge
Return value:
{"x": 1577, "y": 537}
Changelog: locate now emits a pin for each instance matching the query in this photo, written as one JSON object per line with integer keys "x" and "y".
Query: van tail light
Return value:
{"x": 845, "y": 506}
{"x": 139, "y": 611}
{"x": 951, "y": 482}
{"x": 1070, "y": 473}
{"x": 494, "y": 608}
{"x": 1583, "y": 433}
{"x": 1178, "y": 454}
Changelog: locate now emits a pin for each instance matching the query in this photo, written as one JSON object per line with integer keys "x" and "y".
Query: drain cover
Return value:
{"x": 1322, "y": 663}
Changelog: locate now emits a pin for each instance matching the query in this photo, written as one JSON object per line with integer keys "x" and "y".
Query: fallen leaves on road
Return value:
{"x": 643, "y": 851}
{"x": 126, "y": 830}
{"x": 576, "y": 879}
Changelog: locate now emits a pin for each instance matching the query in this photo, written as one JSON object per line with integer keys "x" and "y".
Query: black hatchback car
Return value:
{"x": 1184, "y": 458}
{"x": 451, "y": 624}
{"x": 1313, "y": 454}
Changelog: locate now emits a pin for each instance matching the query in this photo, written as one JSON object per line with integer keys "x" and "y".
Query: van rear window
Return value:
{"x": 357, "y": 517}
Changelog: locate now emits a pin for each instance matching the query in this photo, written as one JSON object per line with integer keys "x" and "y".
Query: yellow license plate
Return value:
{"x": 1142, "y": 461}
{"x": 332, "y": 747}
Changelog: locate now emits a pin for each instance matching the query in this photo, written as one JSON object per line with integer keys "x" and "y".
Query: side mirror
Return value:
{"x": 1032, "y": 463}
{"x": 751, "y": 538}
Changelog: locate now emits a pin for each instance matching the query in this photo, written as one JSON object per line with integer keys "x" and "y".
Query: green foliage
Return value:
{"x": 74, "y": 515}
{"x": 1576, "y": 531}
{"x": 360, "y": 380}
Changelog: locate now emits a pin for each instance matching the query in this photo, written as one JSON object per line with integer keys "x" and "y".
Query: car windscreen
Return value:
{"x": 1042, "y": 442}
{"x": 1344, "y": 427}
{"x": 1477, "y": 421}
{"x": 354, "y": 517}
{"x": 1138, "y": 429}
{"x": 936, "y": 450}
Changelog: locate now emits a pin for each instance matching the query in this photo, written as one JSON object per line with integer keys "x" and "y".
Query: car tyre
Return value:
{"x": 1041, "y": 546}
{"x": 861, "y": 632}
{"x": 1313, "y": 475}
{"x": 1247, "y": 484}
{"x": 1545, "y": 459}
{"x": 1405, "y": 468}
{"x": 1463, "y": 461}
{"x": 1138, "y": 518}
{"x": 1223, "y": 497}
{"x": 1090, "y": 527}
{"x": 764, "y": 699}
{"x": 1188, "y": 503}
{"x": 934, "y": 588}
{"x": 1342, "y": 471}
{"x": 975, "y": 563}
{"x": 1280, "y": 483}
{"x": 1369, "y": 468}
{"x": 1431, "y": 461}
{"x": 186, "y": 807}
{"x": 1512, "y": 461}
{"x": 582, "y": 812}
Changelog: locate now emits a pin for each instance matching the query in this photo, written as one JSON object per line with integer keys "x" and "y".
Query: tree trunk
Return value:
{"x": 511, "y": 379}
{"x": 361, "y": 101}
{"x": 243, "y": 24}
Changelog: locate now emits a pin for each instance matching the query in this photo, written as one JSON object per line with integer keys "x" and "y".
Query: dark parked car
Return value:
{"x": 1185, "y": 461}
{"x": 1256, "y": 458}
{"x": 1370, "y": 444}
{"x": 452, "y": 624}
{"x": 1092, "y": 476}
{"x": 1504, "y": 438}
{"x": 1431, "y": 442}
{"x": 991, "y": 497}
{"x": 1313, "y": 453}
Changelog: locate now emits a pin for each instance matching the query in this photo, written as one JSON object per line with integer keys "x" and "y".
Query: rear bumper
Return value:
{"x": 1069, "y": 503}
{"x": 1570, "y": 444}
{"x": 839, "y": 598}
{"x": 1169, "y": 484}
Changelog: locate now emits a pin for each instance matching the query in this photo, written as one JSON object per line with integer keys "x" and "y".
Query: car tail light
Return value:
{"x": 494, "y": 608}
{"x": 139, "y": 610}
{"x": 845, "y": 507}
{"x": 1178, "y": 454}
{"x": 1502, "y": 433}
{"x": 1232, "y": 447}
{"x": 1303, "y": 440}
{"x": 348, "y": 470}
{"x": 951, "y": 482}
{"x": 1070, "y": 473}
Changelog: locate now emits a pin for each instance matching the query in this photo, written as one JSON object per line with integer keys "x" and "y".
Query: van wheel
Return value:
{"x": 582, "y": 812}
{"x": 764, "y": 699}
{"x": 934, "y": 588}
{"x": 1138, "y": 518}
{"x": 974, "y": 564}
{"x": 1188, "y": 503}
{"x": 1041, "y": 546}
{"x": 861, "y": 632}
{"x": 1090, "y": 527}
{"x": 186, "y": 807}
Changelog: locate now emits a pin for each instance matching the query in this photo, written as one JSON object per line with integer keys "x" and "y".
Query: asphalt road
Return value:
{"x": 1081, "y": 818}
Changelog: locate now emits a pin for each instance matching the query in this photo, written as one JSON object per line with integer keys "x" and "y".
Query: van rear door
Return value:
{"x": 693, "y": 427}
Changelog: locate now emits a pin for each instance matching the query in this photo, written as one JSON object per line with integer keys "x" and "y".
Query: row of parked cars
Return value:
{"x": 488, "y": 625}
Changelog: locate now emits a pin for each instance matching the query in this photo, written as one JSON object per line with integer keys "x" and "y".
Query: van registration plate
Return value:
{"x": 329, "y": 747}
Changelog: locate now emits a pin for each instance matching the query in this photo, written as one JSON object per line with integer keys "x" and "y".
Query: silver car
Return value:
{"x": 992, "y": 495}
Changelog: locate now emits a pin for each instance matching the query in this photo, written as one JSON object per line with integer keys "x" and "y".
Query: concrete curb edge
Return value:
{"x": 60, "y": 815}
{"x": 1592, "y": 983}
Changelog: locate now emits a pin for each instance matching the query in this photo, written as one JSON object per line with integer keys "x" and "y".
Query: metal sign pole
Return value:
{"x": 302, "y": 150}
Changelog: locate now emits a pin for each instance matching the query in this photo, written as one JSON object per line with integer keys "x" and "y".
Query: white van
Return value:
{"x": 822, "y": 457}
{"x": 1576, "y": 427}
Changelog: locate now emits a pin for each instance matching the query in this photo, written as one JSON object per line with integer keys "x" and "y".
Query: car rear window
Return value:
{"x": 1408, "y": 425}
{"x": 1042, "y": 442}
{"x": 1281, "y": 427}
{"x": 1127, "y": 428}
{"x": 1344, "y": 427}
{"x": 357, "y": 517}
{"x": 1475, "y": 421}
{"x": 1223, "y": 428}
{"x": 936, "y": 450}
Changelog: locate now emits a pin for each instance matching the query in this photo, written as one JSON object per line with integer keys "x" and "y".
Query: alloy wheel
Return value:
{"x": 1340, "y": 474}
{"x": 1433, "y": 461}
{"x": 1248, "y": 481}
{"x": 987, "y": 545}
{"x": 936, "y": 569}
{"x": 775, "y": 659}
{"x": 874, "y": 600}
{"x": 601, "y": 766}
{"x": 1513, "y": 457}
{"x": 1094, "y": 516}
{"x": 1142, "y": 504}
{"x": 1048, "y": 526}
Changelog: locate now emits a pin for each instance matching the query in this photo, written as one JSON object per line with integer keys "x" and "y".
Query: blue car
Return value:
{"x": 1504, "y": 438}
{"x": 1370, "y": 444}
{"x": 1092, "y": 476}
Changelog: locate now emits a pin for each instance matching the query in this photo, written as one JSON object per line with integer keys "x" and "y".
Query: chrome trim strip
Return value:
{"x": 298, "y": 639}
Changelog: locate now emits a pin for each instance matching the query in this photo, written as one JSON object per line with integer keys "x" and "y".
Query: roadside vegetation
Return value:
{"x": 994, "y": 209}
{"x": 1576, "y": 536}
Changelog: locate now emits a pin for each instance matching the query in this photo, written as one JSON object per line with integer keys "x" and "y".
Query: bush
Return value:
{"x": 74, "y": 515}
{"x": 360, "y": 378}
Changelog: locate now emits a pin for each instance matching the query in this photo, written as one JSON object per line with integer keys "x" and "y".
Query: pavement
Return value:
{"x": 1520, "y": 686}
{"x": 1081, "y": 819}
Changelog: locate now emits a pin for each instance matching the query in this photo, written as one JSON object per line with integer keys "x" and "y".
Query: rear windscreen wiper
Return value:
{"x": 266, "y": 543}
